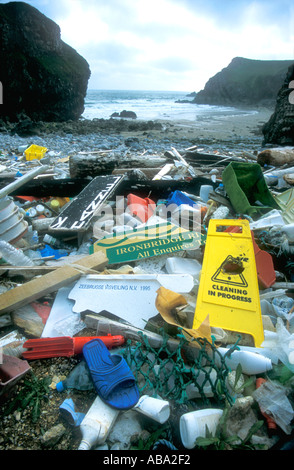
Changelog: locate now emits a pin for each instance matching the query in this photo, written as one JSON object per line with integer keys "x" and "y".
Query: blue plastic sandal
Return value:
{"x": 112, "y": 377}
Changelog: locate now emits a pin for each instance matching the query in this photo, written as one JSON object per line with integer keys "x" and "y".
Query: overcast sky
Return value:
{"x": 170, "y": 44}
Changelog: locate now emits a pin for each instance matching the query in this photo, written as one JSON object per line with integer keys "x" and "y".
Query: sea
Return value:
{"x": 154, "y": 105}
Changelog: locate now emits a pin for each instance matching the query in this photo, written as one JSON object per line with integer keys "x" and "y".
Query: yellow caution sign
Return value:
{"x": 228, "y": 291}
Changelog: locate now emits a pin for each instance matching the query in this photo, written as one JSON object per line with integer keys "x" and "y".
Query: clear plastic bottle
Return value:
{"x": 14, "y": 256}
{"x": 97, "y": 424}
{"x": 79, "y": 378}
{"x": 221, "y": 190}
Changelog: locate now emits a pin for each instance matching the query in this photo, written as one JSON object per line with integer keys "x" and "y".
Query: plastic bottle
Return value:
{"x": 221, "y": 190}
{"x": 97, "y": 424}
{"x": 32, "y": 236}
{"x": 52, "y": 241}
{"x": 194, "y": 424}
{"x": 79, "y": 378}
{"x": 251, "y": 362}
{"x": 205, "y": 190}
{"x": 62, "y": 248}
{"x": 13, "y": 256}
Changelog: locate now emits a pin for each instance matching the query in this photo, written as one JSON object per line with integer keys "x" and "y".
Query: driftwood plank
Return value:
{"x": 51, "y": 282}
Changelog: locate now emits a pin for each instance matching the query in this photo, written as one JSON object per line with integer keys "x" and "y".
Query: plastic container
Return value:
{"x": 35, "y": 152}
{"x": 40, "y": 209}
{"x": 52, "y": 241}
{"x": 194, "y": 424}
{"x": 206, "y": 379}
{"x": 251, "y": 362}
{"x": 177, "y": 265}
{"x": 178, "y": 198}
{"x": 154, "y": 408}
{"x": 79, "y": 379}
{"x": 97, "y": 424}
{"x": 12, "y": 370}
{"x": 205, "y": 191}
{"x": 221, "y": 190}
{"x": 142, "y": 208}
{"x": 67, "y": 410}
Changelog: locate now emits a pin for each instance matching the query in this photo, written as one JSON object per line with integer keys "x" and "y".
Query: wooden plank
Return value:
{"x": 51, "y": 282}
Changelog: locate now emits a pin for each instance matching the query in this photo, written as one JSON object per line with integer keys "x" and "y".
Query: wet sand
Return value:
{"x": 238, "y": 128}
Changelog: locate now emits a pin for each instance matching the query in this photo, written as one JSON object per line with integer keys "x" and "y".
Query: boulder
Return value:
{"x": 279, "y": 130}
{"x": 276, "y": 156}
{"x": 42, "y": 78}
{"x": 125, "y": 114}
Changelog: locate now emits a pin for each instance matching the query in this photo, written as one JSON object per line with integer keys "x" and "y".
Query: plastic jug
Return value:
{"x": 194, "y": 424}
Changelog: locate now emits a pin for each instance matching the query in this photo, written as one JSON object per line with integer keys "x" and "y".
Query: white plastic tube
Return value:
{"x": 97, "y": 424}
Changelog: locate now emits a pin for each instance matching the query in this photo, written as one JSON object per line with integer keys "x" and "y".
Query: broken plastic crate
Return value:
{"x": 35, "y": 152}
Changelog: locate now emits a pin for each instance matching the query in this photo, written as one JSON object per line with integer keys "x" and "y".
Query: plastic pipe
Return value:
{"x": 22, "y": 180}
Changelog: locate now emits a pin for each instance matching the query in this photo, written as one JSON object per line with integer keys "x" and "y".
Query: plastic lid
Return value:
{"x": 54, "y": 203}
{"x": 60, "y": 387}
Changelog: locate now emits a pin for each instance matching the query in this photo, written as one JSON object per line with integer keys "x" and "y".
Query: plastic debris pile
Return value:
{"x": 172, "y": 286}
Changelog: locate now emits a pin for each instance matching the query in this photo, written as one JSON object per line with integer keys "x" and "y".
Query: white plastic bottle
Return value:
{"x": 251, "y": 362}
{"x": 195, "y": 424}
{"x": 97, "y": 424}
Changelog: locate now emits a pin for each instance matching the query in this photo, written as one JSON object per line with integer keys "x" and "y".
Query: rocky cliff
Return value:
{"x": 42, "y": 77}
{"x": 279, "y": 130}
{"x": 245, "y": 82}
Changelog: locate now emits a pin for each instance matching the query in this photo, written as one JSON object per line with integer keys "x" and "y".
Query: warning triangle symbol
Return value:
{"x": 231, "y": 278}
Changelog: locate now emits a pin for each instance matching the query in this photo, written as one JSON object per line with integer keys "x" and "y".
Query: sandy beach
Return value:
{"x": 245, "y": 128}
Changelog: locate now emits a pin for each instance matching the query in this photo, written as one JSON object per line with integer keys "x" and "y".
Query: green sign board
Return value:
{"x": 147, "y": 242}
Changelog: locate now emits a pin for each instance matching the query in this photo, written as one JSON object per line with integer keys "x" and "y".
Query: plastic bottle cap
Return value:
{"x": 31, "y": 212}
{"x": 40, "y": 208}
{"x": 55, "y": 204}
{"x": 60, "y": 387}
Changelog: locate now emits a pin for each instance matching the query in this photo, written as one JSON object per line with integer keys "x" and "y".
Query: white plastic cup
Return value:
{"x": 205, "y": 190}
{"x": 195, "y": 424}
{"x": 154, "y": 408}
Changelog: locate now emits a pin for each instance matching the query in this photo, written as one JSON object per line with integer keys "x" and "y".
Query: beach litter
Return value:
{"x": 160, "y": 292}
